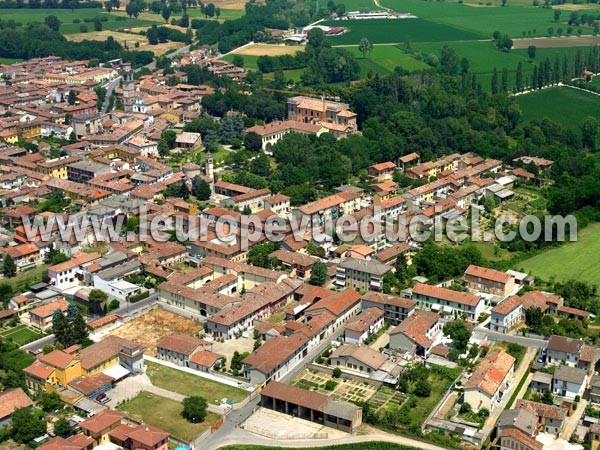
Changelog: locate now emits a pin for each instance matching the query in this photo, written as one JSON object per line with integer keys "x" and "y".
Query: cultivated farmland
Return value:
{"x": 66, "y": 16}
{"x": 385, "y": 58}
{"x": 565, "y": 105}
{"x": 513, "y": 20}
{"x": 384, "y": 31}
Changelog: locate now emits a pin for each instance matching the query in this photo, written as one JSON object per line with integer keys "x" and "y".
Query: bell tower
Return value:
{"x": 128, "y": 88}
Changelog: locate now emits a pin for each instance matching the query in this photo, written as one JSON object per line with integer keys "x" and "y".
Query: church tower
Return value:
{"x": 210, "y": 170}
{"x": 128, "y": 88}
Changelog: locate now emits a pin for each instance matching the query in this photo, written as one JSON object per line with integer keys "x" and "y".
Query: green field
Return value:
{"x": 513, "y": 20}
{"x": 187, "y": 384}
{"x": 66, "y": 16}
{"x": 249, "y": 60}
{"x": 382, "y": 31}
{"x": 21, "y": 334}
{"x": 565, "y": 105}
{"x": 10, "y": 60}
{"x": 164, "y": 413}
{"x": 484, "y": 56}
{"x": 583, "y": 259}
{"x": 355, "y": 5}
{"x": 385, "y": 58}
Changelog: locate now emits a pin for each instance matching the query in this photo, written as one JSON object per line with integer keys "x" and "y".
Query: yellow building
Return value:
{"x": 54, "y": 371}
{"x": 57, "y": 168}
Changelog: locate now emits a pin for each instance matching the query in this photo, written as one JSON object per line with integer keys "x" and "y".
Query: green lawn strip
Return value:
{"x": 165, "y": 414}
{"x": 513, "y": 397}
{"x": 374, "y": 445}
{"x": 187, "y": 384}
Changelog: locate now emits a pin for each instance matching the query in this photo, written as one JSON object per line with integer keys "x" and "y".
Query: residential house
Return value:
{"x": 179, "y": 348}
{"x": 69, "y": 274}
{"x": 447, "y": 301}
{"x": 100, "y": 425}
{"x": 275, "y": 358}
{"x": 506, "y": 314}
{"x": 395, "y": 309}
{"x": 205, "y": 360}
{"x": 365, "y": 324}
{"x": 25, "y": 256}
{"x": 298, "y": 264}
{"x": 382, "y": 171}
{"x": 521, "y": 419}
{"x": 563, "y": 350}
{"x": 75, "y": 442}
{"x": 360, "y": 274}
{"x": 489, "y": 382}
{"x": 489, "y": 280}
{"x": 10, "y": 400}
{"x": 512, "y": 439}
{"x": 595, "y": 389}
{"x": 143, "y": 436}
{"x": 342, "y": 305}
{"x": 550, "y": 418}
{"x": 417, "y": 334}
{"x": 363, "y": 359}
{"x": 41, "y": 317}
{"x": 541, "y": 382}
{"x": 334, "y": 116}
{"x": 569, "y": 382}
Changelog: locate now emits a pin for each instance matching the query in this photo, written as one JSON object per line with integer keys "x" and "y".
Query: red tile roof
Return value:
{"x": 101, "y": 421}
{"x": 491, "y": 372}
{"x": 488, "y": 274}
{"x": 13, "y": 399}
{"x": 205, "y": 358}
{"x": 449, "y": 295}
{"x": 57, "y": 358}
{"x": 508, "y": 305}
{"x": 415, "y": 327}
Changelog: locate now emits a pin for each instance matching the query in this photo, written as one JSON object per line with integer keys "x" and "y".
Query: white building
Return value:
{"x": 569, "y": 382}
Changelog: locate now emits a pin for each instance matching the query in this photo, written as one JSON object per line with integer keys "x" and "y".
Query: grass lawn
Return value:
{"x": 512, "y": 19}
{"x": 583, "y": 259}
{"x": 188, "y": 384}
{"x": 382, "y": 31}
{"x": 385, "y": 58}
{"x": 249, "y": 60}
{"x": 21, "y": 334}
{"x": 595, "y": 82}
{"x": 23, "y": 280}
{"x": 66, "y": 16}
{"x": 10, "y": 60}
{"x": 565, "y": 105}
{"x": 355, "y": 5}
{"x": 165, "y": 414}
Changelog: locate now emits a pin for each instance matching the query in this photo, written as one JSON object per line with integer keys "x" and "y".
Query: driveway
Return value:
{"x": 128, "y": 389}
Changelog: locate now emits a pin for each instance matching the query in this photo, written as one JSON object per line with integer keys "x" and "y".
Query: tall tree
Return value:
{"x": 318, "y": 274}
{"x": 194, "y": 408}
{"x": 504, "y": 79}
{"x": 61, "y": 328}
{"x": 9, "y": 268}
{"x": 166, "y": 13}
{"x": 52, "y": 22}
{"x": 519, "y": 77}
{"x": 200, "y": 188}
{"x": 365, "y": 47}
{"x": 589, "y": 132}
{"x": 495, "y": 81}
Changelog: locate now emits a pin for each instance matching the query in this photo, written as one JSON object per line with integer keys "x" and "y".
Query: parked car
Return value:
{"x": 101, "y": 397}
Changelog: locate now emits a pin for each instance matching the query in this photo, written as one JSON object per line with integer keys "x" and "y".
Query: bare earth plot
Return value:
{"x": 268, "y": 50}
{"x": 153, "y": 326}
{"x": 563, "y": 41}
{"x": 128, "y": 38}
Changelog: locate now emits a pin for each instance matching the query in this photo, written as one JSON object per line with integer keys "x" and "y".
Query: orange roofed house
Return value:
{"x": 489, "y": 280}
{"x": 382, "y": 171}
{"x": 41, "y": 316}
{"x": 487, "y": 385}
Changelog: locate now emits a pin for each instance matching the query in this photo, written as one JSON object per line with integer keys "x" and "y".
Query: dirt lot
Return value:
{"x": 123, "y": 38}
{"x": 153, "y": 326}
{"x": 243, "y": 344}
{"x": 269, "y": 50}
{"x": 563, "y": 41}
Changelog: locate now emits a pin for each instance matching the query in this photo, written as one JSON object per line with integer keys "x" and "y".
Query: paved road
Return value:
{"x": 131, "y": 309}
{"x": 522, "y": 340}
{"x": 110, "y": 87}
{"x": 39, "y": 344}
{"x": 152, "y": 65}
